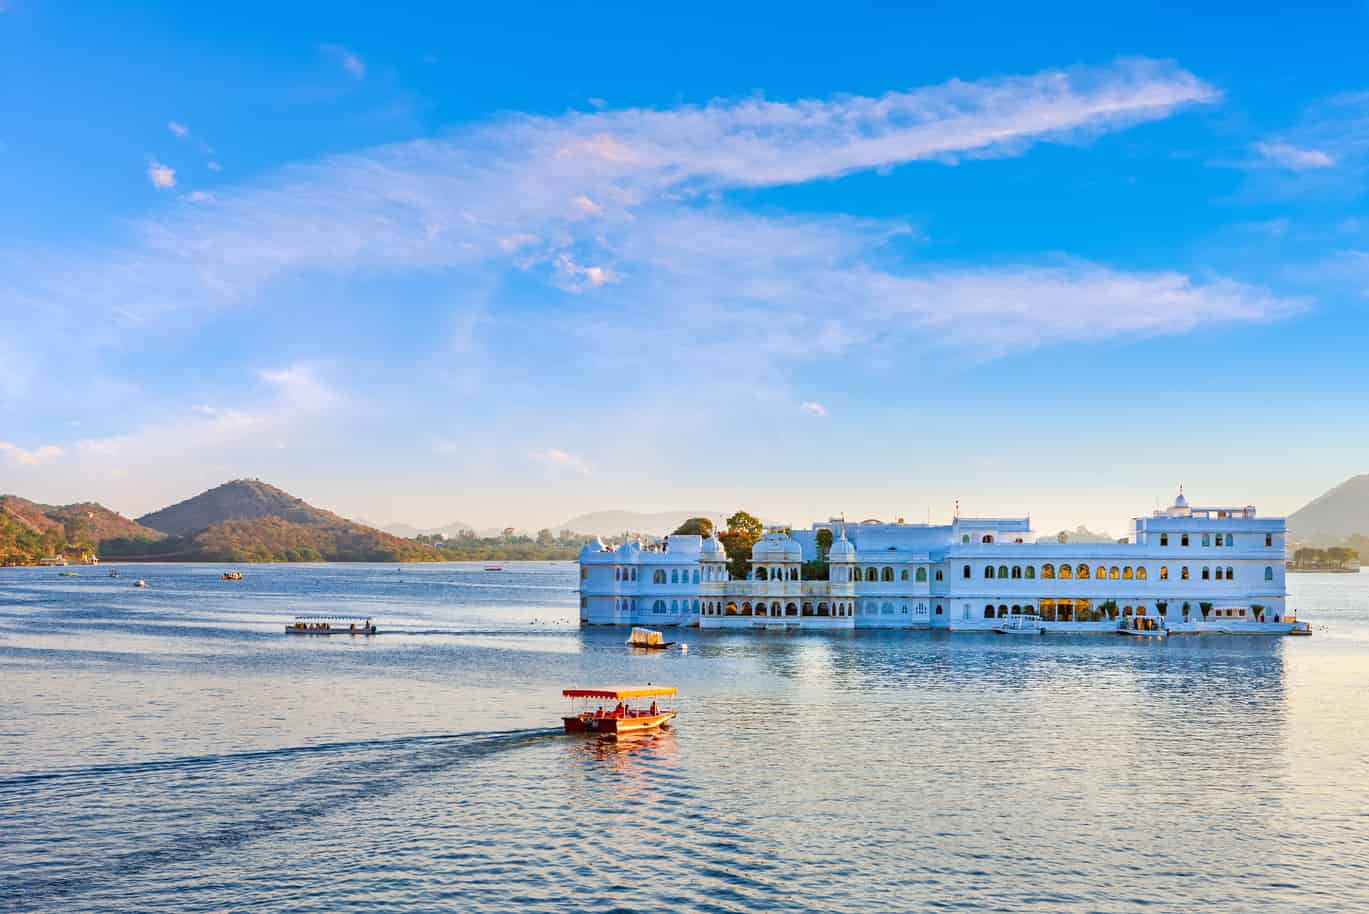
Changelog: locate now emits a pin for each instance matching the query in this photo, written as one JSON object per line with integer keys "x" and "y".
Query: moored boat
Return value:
{"x": 232, "y": 575}
{"x": 1027, "y": 624}
{"x": 649, "y": 640}
{"x": 140, "y": 583}
{"x": 623, "y": 719}
{"x": 331, "y": 625}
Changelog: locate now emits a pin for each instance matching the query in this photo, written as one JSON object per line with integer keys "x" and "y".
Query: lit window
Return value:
{"x": 1230, "y": 573}
{"x": 1101, "y": 574}
{"x": 1066, "y": 573}
{"x": 1140, "y": 572}
{"x": 1126, "y": 573}
{"x": 1048, "y": 572}
{"x": 986, "y": 539}
{"x": 1221, "y": 540}
{"x": 1083, "y": 573}
{"x": 1183, "y": 573}
{"x": 1114, "y": 573}
{"x": 1164, "y": 572}
{"x": 1269, "y": 539}
{"x": 1031, "y": 572}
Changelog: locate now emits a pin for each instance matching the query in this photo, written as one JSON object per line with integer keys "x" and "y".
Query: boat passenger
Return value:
{"x": 654, "y": 711}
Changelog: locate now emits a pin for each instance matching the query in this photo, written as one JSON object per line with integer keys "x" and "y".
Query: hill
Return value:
{"x": 29, "y": 530}
{"x": 1335, "y": 515}
{"x": 450, "y": 531}
{"x": 239, "y": 500}
{"x": 1080, "y": 534}
{"x": 612, "y": 523}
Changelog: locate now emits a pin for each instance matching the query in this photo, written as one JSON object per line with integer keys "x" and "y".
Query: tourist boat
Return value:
{"x": 494, "y": 568}
{"x": 623, "y": 719}
{"x": 140, "y": 583}
{"x": 1303, "y": 629}
{"x": 232, "y": 575}
{"x": 648, "y": 640}
{"x": 331, "y": 625}
{"x": 1021, "y": 625}
{"x": 1143, "y": 627}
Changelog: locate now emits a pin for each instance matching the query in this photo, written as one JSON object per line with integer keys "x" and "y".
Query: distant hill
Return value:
{"x": 1334, "y": 516}
{"x": 1079, "y": 534}
{"x": 611, "y": 523}
{"x": 30, "y": 531}
{"x": 247, "y": 520}
{"x": 450, "y": 531}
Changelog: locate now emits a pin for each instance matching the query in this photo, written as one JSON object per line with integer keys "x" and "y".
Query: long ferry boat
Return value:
{"x": 331, "y": 625}
{"x": 1187, "y": 569}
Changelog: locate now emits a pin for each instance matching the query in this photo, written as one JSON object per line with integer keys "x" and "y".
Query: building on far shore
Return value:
{"x": 1194, "y": 568}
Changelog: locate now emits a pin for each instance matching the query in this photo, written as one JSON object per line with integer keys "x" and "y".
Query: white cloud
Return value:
{"x": 557, "y": 459}
{"x": 214, "y": 166}
{"x": 585, "y": 204}
{"x": 31, "y": 458}
{"x": 300, "y": 386}
{"x": 816, "y": 409}
{"x": 1295, "y": 158}
{"x": 161, "y": 176}
{"x": 199, "y": 196}
{"x": 576, "y": 277}
{"x": 180, "y": 130}
{"x": 350, "y": 62}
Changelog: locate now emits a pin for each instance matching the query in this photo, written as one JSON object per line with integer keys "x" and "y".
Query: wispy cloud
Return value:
{"x": 161, "y": 176}
{"x": 35, "y": 457}
{"x": 300, "y": 386}
{"x": 816, "y": 409}
{"x": 179, "y": 130}
{"x": 1295, "y": 158}
{"x": 557, "y": 459}
{"x": 350, "y": 62}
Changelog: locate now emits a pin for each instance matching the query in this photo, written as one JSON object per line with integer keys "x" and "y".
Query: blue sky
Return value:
{"x": 440, "y": 262}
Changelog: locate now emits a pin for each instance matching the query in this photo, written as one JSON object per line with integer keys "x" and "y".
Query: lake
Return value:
{"x": 170, "y": 749}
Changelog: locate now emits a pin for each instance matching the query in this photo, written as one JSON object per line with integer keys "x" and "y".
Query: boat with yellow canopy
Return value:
{"x": 623, "y": 718}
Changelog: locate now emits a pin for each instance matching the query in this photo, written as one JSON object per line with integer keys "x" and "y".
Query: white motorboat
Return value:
{"x": 1020, "y": 625}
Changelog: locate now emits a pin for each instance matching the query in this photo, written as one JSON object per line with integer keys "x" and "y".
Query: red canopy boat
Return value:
{"x": 623, "y": 718}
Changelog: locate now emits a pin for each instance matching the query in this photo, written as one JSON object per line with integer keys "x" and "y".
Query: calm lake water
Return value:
{"x": 170, "y": 749}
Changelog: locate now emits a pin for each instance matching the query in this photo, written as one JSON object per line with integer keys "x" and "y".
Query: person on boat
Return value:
{"x": 618, "y": 711}
{"x": 599, "y": 713}
{"x": 654, "y": 711}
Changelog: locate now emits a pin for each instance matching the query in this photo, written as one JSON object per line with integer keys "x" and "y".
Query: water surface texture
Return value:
{"x": 171, "y": 749}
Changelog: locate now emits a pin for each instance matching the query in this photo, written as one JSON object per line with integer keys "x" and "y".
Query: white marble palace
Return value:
{"x": 1194, "y": 569}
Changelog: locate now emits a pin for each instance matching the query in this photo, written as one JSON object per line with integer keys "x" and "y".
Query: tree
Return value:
{"x": 742, "y": 522}
{"x": 544, "y": 537}
{"x": 738, "y": 546}
{"x": 824, "y": 539}
{"x": 695, "y": 526}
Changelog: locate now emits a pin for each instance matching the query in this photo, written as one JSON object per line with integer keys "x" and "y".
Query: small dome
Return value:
{"x": 1181, "y": 502}
{"x": 842, "y": 550}
{"x": 630, "y": 547}
{"x": 776, "y": 547}
{"x": 712, "y": 550}
{"x": 596, "y": 546}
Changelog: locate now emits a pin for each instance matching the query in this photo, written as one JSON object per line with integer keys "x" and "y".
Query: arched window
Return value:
{"x": 1269, "y": 539}
{"x": 938, "y": 610}
{"x": 658, "y": 606}
{"x": 791, "y": 609}
{"x": 1002, "y": 611}
{"x": 903, "y": 574}
{"x": 966, "y": 572}
{"x": 1230, "y": 573}
{"x": 1207, "y": 540}
{"x": 1017, "y": 571}
{"x": 674, "y": 576}
{"x": 1183, "y": 573}
{"x": 1269, "y": 572}
{"x": 887, "y": 609}
{"x": 964, "y": 537}
{"x": 1164, "y": 572}
{"x": 1016, "y": 609}
{"x": 658, "y": 576}
{"x": 1028, "y": 609}
{"x": 938, "y": 574}
{"x": 1114, "y": 573}
{"x": 871, "y": 574}
{"x": 1205, "y": 574}
{"x": 634, "y": 574}
{"x": 1003, "y": 572}
{"x": 986, "y": 538}
{"x": 1082, "y": 572}
{"x": 1031, "y": 572}
{"x": 1066, "y": 573}
{"x": 988, "y": 611}
{"x": 674, "y": 606}
{"x": 1048, "y": 572}
{"x": 1140, "y": 572}
{"x": 1183, "y": 539}
{"x": 1126, "y": 573}
{"x": 760, "y": 574}
{"x": 988, "y": 572}
{"x": 617, "y": 574}
{"x": 696, "y": 575}
{"x": 746, "y": 609}
{"x": 696, "y": 605}
{"x": 1220, "y": 540}
{"x": 888, "y": 574}
{"x": 922, "y": 575}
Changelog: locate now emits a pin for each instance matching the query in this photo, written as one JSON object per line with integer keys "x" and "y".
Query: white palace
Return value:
{"x": 1194, "y": 569}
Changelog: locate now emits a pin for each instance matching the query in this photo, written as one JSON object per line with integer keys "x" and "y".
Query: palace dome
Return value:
{"x": 776, "y": 546}
{"x": 842, "y": 550}
{"x": 712, "y": 550}
{"x": 596, "y": 546}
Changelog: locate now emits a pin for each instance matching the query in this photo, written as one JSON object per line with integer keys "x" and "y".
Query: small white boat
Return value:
{"x": 140, "y": 583}
{"x": 331, "y": 625}
{"x": 649, "y": 640}
{"x": 1020, "y": 625}
{"x": 1303, "y": 629}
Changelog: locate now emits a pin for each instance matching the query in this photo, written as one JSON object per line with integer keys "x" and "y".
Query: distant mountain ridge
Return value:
{"x": 89, "y": 518}
{"x": 449, "y": 531}
{"x": 1335, "y": 515}
{"x": 612, "y": 523}
{"x": 238, "y": 500}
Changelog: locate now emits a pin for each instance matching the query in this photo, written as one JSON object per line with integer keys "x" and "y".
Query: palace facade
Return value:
{"x": 1195, "y": 568}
